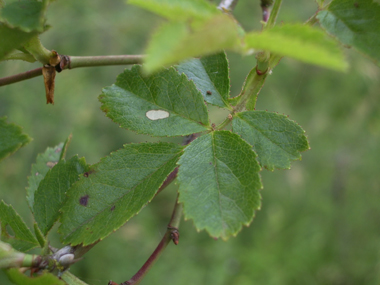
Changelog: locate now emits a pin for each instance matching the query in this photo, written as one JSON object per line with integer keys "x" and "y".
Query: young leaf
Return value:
{"x": 177, "y": 41}
{"x": 115, "y": 189}
{"x": 211, "y": 76}
{"x": 19, "y": 278}
{"x": 44, "y": 163}
{"x": 178, "y": 10}
{"x": 300, "y": 42}
{"x": 21, "y": 238}
{"x": 219, "y": 183}
{"x": 276, "y": 139}
{"x": 163, "y": 104}
{"x": 13, "y": 38}
{"x": 11, "y": 138}
{"x": 27, "y": 15}
{"x": 355, "y": 23}
{"x": 51, "y": 193}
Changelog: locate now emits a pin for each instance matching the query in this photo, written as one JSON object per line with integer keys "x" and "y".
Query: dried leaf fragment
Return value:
{"x": 48, "y": 73}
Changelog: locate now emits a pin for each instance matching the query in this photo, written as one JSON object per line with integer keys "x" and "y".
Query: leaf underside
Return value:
{"x": 178, "y": 10}
{"x": 11, "y": 138}
{"x": 211, "y": 76}
{"x": 355, "y": 23}
{"x": 44, "y": 162}
{"x": 115, "y": 189}
{"x": 301, "y": 42}
{"x": 177, "y": 41}
{"x": 21, "y": 238}
{"x": 219, "y": 183}
{"x": 276, "y": 139}
{"x": 136, "y": 102}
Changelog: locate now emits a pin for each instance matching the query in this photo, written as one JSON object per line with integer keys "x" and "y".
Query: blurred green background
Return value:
{"x": 320, "y": 221}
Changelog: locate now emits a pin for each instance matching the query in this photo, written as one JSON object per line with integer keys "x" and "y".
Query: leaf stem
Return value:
{"x": 253, "y": 84}
{"x": 170, "y": 235}
{"x": 273, "y": 14}
{"x": 38, "y": 51}
{"x": 71, "y": 62}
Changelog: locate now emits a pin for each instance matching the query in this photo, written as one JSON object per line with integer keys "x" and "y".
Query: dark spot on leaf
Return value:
{"x": 86, "y": 174}
{"x": 356, "y": 4}
{"x": 83, "y": 200}
{"x": 112, "y": 208}
{"x": 209, "y": 93}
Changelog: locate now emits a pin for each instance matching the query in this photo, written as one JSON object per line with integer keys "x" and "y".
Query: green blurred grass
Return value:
{"x": 320, "y": 220}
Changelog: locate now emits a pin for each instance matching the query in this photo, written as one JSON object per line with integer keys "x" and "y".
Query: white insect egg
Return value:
{"x": 157, "y": 115}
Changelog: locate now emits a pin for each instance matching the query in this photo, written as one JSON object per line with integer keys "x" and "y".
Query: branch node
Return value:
{"x": 174, "y": 234}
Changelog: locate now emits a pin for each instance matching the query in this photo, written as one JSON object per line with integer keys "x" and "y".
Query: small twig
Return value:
{"x": 70, "y": 62}
{"x": 170, "y": 235}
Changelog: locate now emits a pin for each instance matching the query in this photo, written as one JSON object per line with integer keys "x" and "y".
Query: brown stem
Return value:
{"x": 70, "y": 62}
{"x": 173, "y": 174}
{"x": 170, "y": 235}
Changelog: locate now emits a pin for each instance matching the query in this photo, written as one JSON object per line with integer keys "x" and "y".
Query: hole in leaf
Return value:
{"x": 157, "y": 115}
{"x": 50, "y": 164}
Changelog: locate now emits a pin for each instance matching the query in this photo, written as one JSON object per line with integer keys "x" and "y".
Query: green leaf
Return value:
{"x": 19, "y": 278}
{"x": 21, "y": 238}
{"x": 115, "y": 189}
{"x": 276, "y": 139}
{"x": 177, "y": 41}
{"x": 11, "y": 138}
{"x": 27, "y": 15}
{"x": 44, "y": 163}
{"x": 15, "y": 38}
{"x": 163, "y": 104}
{"x": 178, "y": 10}
{"x": 51, "y": 193}
{"x": 211, "y": 76}
{"x": 301, "y": 42}
{"x": 219, "y": 183}
{"x": 355, "y": 23}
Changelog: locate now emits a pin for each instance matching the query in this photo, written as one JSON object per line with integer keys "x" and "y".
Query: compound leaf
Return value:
{"x": 44, "y": 162}
{"x": 51, "y": 193}
{"x": 219, "y": 183}
{"x": 211, "y": 76}
{"x": 276, "y": 139}
{"x": 115, "y": 189}
{"x": 301, "y": 42}
{"x": 21, "y": 238}
{"x": 355, "y": 23}
{"x": 176, "y": 41}
{"x": 178, "y": 10}
{"x": 11, "y": 138}
{"x": 162, "y": 104}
